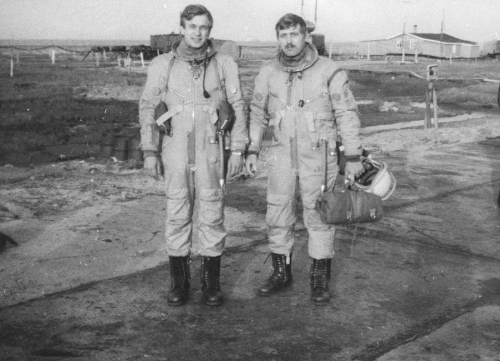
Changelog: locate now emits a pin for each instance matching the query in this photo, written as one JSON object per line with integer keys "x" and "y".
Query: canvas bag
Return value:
{"x": 343, "y": 206}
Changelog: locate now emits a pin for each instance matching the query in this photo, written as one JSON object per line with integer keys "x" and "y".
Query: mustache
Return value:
{"x": 289, "y": 46}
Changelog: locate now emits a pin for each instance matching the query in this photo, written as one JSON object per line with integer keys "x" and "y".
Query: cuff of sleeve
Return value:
{"x": 249, "y": 152}
{"x": 149, "y": 153}
{"x": 238, "y": 148}
{"x": 253, "y": 147}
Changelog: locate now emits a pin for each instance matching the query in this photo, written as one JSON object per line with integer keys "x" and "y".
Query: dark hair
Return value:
{"x": 195, "y": 10}
{"x": 290, "y": 20}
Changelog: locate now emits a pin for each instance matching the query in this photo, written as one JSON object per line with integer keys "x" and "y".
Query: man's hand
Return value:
{"x": 353, "y": 169}
{"x": 235, "y": 165}
{"x": 251, "y": 164}
{"x": 153, "y": 167}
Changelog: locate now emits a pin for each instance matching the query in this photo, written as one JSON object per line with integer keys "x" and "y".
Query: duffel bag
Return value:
{"x": 348, "y": 206}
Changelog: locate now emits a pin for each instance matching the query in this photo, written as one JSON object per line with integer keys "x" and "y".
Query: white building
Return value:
{"x": 426, "y": 44}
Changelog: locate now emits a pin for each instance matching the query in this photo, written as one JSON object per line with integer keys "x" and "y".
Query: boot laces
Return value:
{"x": 320, "y": 274}
{"x": 211, "y": 274}
{"x": 179, "y": 273}
{"x": 279, "y": 272}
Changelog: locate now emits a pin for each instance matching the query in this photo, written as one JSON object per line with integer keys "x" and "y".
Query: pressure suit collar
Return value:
{"x": 182, "y": 51}
{"x": 302, "y": 62}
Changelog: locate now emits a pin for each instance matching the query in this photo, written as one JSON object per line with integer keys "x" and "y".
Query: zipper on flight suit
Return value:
{"x": 192, "y": 135}
{"x": 294, "y": 152}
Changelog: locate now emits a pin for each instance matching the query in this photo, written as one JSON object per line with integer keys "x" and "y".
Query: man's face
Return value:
{"x": 291, "y": 41}
{"x": 196, "y": 31}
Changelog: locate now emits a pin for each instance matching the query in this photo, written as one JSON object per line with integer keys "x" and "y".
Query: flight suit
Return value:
{"x": 307, "y": 108}
{"x": 191, "y": 156}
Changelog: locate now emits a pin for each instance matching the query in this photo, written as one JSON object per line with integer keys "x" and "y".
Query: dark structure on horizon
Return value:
{"x": 164, "y": 42}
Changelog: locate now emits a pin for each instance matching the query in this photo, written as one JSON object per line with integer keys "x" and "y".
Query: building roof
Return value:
{"x": 445, "y": 38}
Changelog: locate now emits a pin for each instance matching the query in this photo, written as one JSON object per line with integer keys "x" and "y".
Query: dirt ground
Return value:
{"x": 79, "y": 217}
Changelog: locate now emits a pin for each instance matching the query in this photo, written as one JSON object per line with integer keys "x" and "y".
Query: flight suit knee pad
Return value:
{"x": 178, "y": 207}
{"x": 280, "y": 211}
{"x": 211, "y": 207}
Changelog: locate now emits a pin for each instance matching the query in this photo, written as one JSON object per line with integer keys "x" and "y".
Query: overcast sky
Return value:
{"x": 239, "y": 20}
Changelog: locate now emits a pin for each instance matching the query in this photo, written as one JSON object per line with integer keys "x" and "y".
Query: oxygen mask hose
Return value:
{"x": 324, "y": 148}
{"x": 205, "y": 93}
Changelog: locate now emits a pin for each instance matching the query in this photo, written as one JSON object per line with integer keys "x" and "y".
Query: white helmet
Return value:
{"x": 376, "y": 179}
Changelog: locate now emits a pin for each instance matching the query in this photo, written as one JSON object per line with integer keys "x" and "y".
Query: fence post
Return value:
{"x": 435, "y": 103}
{"x": 11, "y": 67}
{"x": 97, "y": 56}
{"x": 142, "y": 59}
{"x": 330, "y": 54}
{"x": 53, "y": 56}
{"x": 368, "y": 52}
{"x": 427, "y": 121}
{"x": 498, "y": 98}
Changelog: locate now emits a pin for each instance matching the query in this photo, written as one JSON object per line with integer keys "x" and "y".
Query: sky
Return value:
{"x": 247, "y": 20}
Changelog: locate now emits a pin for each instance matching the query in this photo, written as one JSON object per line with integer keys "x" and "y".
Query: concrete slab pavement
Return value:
{"x": 422, "y": 284}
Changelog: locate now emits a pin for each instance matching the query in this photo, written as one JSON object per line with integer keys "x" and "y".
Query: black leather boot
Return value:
{"x": 210, "y": 281}
{"x": 320, "y": 277}
{"x": 180, "y": 280}
{"x": 281, "y": 277}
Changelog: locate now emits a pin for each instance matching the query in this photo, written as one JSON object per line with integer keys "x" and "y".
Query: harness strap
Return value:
{"x": 170, "y": 65}
{"x": 221, "y": 85}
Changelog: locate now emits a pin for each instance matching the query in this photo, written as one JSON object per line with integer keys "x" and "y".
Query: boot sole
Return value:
{"x": 214, "y": 304}
{"x": 279, "y": 290}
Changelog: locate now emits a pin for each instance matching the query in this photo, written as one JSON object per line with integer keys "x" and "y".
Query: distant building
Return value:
{"x": 425, "y": 44}
{"x": 164, "y": 42}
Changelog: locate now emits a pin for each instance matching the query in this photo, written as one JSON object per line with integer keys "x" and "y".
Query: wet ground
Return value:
{"x": 422, "y": 284}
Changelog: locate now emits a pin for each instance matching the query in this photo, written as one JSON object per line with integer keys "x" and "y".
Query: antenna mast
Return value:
{"x": 316, "y": 14}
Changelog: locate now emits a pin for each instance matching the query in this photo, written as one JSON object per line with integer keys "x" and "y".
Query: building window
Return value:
{"x": 398, "y": 44}
{"x": 413, "y": 44}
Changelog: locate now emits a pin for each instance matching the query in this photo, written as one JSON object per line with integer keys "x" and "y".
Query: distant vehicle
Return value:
{"x": 318, "y": 40}
{"x": 164, "y": 42}
{"x": 492, "y": 48}
{"x": 99, "y": 49}
{"x": 119, "y": 48}
{"x": 147, "y": 52}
